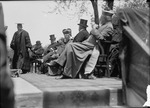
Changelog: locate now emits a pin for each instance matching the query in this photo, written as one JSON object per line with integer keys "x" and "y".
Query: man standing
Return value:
{"x": 21, "y": 44}
{"x": 83, "y": 33}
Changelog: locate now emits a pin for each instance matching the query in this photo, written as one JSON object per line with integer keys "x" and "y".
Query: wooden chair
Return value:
{"x": 103, "y": 66}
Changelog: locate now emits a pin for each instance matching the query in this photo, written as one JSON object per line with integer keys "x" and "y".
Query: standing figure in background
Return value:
{"x": 83, "y": 33}
{"x": 21, "y": 45}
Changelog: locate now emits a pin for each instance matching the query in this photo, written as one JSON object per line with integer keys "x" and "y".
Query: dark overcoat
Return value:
{"x": 81, "y": 36}
{"x": 20, "y": 44}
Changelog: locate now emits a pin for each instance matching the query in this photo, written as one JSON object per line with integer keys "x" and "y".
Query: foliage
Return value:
{"x": 69, "y": 8}
{"x": 135, "y": 4}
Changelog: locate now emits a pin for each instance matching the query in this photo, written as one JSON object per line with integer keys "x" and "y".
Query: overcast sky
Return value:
{"x": 38, "y": 23}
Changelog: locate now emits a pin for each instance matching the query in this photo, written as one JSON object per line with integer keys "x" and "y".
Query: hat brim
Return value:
{"x": 52, "y": 38}
{"x": 38, "y": 43}
{"x": 83, "y": 25}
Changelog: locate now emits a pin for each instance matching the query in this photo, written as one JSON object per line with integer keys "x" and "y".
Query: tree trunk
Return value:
{"x": 148, "y": 2}
{"x": 95, "y": 8}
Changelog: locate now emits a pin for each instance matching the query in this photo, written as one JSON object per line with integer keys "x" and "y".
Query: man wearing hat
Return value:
{"x": 37, "y": 49}
{"x": 21, "y": 44}
{"x": 36, "y": 53}
{"x": 51, "y": 47}
{"x": 83, "y": 33}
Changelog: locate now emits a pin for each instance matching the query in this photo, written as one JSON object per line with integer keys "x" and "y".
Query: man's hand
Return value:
{"x": 29, "y": 49}
{"x": 94, "y": 30}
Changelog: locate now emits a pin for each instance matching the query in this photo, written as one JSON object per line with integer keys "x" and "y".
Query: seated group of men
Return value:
{"x": 78, "y": 57}
{"x": 54, "y": 50}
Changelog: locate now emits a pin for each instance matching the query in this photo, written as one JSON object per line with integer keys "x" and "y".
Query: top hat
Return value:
{"x": 83, "y": 23}
{"x": 19, "y": 24}
{"x": 52, "y": 37}
{"x": 38, "y": 42}
{"x": 107, "y": 12}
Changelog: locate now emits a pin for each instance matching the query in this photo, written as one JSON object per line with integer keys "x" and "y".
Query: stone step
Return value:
{"x": 70, "y": 93}
{"x": 82, "y": 98}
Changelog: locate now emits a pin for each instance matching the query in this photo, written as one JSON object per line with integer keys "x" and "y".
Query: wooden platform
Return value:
{"x": 72, "y": 93}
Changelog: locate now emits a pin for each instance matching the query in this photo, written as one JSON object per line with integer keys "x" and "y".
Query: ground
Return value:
{"x": 41, "y": 91}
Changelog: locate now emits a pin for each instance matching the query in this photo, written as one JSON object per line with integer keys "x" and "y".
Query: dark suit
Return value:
{"x": 81, "y": 36}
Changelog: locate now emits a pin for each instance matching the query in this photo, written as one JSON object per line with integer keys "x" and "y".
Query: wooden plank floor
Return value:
{"x": 50, "y": 83}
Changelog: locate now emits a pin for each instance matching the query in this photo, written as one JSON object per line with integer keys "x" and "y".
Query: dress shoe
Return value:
{"x": 63, "y": 77}
{"x": 89, "y": 76}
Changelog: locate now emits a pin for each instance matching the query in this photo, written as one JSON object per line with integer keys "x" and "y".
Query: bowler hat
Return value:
{"x": 83, "y": 23}
{"x": 52, "y": 37}
{"x": 38, "y": 42}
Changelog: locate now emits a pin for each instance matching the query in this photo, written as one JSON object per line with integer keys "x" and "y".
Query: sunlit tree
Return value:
{"x": 79, "y": 7}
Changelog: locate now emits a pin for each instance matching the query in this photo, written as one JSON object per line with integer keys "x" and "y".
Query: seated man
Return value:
{"x": 36, "y": 53}
{"x": 51, "y": 49}
{"x": 76, "y": 55}
{"x": 83, "y": 33}
{"x": 37, "y": 50}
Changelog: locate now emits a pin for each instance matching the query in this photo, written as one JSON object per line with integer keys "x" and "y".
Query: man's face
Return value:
{"x": 67, "y": 36}
{"x": 52, "y": 40}
{"x": 19, "y": 27}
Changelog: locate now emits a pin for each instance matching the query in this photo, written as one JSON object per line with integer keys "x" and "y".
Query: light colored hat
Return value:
{"x": 65, "y": 31}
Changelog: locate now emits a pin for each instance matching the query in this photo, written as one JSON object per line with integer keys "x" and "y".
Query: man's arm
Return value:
{"x": 12, "y": 44}
{"x": 28, "y": 41}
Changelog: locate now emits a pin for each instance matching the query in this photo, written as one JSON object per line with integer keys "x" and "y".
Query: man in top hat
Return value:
{"x": 37, "y": 49}
{"x": 21, "y": 44}
{"x": 36, "y": 53}
{"x": 83, "y": 33}
{"x": 51, "y": 47}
